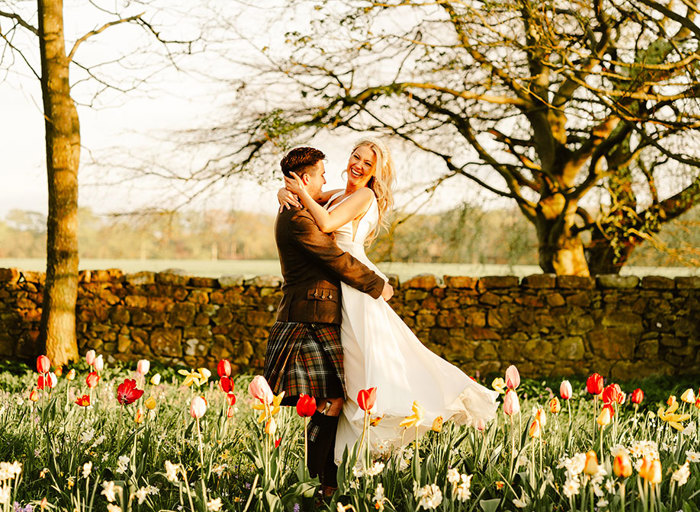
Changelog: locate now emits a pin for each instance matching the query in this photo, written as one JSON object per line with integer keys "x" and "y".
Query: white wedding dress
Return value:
{"x": 381, "y": 351}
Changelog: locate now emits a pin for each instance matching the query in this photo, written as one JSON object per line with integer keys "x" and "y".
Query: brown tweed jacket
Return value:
{"x": 312, "y": 267}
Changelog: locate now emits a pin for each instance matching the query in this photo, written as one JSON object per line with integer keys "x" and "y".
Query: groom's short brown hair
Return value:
{"x": 299, "y": 159}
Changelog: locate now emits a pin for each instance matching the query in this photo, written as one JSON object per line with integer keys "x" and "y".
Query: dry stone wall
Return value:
{"x": 620, "y": 326}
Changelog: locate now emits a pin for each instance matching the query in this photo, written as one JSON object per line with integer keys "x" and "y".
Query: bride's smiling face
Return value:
{"x": 361, "y": 166}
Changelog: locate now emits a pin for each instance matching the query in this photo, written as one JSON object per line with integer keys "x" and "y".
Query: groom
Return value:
{"x": 304, "y": 353}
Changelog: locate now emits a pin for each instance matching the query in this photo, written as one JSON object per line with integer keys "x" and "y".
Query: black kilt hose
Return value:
{"x": 305, "y": 358}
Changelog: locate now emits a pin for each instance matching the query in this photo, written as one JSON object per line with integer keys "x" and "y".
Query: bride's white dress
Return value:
{"x": 381, "y": 351}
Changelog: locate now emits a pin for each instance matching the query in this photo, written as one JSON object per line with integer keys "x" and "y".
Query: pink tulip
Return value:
{"x": 198, "y": 407}
{"x": 512, "y": 377}
{"x": 511, "y": 403}
{"x": 99, "y": 363}
{"x": 260, "y": 389}
{"x": 143, "y": 366}
{"x": 90, "y": 357}
{"x": 565, "y": 390}
{"x": 43, "y": 364}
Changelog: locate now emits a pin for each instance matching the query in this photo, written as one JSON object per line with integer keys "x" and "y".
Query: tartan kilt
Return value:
{"x": 305, "y": 358}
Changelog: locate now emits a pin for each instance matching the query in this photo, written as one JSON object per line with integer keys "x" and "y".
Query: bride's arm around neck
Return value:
{"x": 349, "y": 209}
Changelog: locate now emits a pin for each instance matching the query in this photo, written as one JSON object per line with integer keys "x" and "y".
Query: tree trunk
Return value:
{"x": 602, "y": 257}
{"x": 560, "y": 249}
{"x": 58, "y": 334}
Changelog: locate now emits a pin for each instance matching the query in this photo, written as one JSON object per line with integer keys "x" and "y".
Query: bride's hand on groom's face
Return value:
{"x": 287, "y": 199}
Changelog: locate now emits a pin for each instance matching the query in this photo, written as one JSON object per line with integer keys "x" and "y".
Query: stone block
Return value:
{"x": 422, "y": 282}
{"x": 623, "y": 320}
{"x": 658, "y": 283}
{"x": 414, "y": 295}
{"x": 481, "y": 333}
{"x": 123, "y": 343}
{"x": 424, "y": 320}
{"x": 612, "y": 343}
{"x": 260, "y": 318}
{"x": 266, "y": 281}
{"x": 617, "y": 281}
{"x": 136, "y": 301}
{"x": 530, "y": 301}
{"x": 497, "y": 282}
{"x": 394, "y": 280}
{"x": 173, "y": 276}
{"x": 485, "y": 351}
{"x": 198, "y": 297}
{"x": 570, "y": 348}
{"x": 686, "y": 327}
{"x": 141, "y": 278}
{"x": 575, "y": 282}
{"x": 498, "y": 318}
{"x": 685, "y": 282}
{"x": 119, "y": 315}
{"x": 182, "y": 314}
{"x": 450, "y": 319}
{"x": 476, "y": 318}
{"x": 555, "y": 300}
{"x": 9, "y": 275}
{"x": 582, "y": 299}
{"x": 537, "y": 350}
{"x": 204, "y": 282}
{"x": 490, "y": 299}
{"x": 460, "y": 282}
{"x": 540, "y": 281}
{"x": 167, "y": 342}
{"x": 230, "y": 281}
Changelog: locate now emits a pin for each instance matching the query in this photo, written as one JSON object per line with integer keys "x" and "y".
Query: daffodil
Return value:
{"x": 197, "y": 377}
{"x": 414, "y": 419}
{"x": 670, "y": 416}
{"x": 499, "y": 385}
{"x": 268, "y": 410}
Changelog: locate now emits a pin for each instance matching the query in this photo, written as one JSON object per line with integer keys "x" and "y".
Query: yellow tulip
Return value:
{"x": 591, "y": 465}
{"x": 604, "y": 417}
{"x": 554, "y": 405}
{"x": 150, "y": 403}
{"x": 650, "y": 470}
{"x": 155, "y": 380}
{"x": 71, "y": 374}
{"x": 437, "y": 424}
{"x": 622, "y": 467}
{"x": 414, "y": 419}
{"x": 688, "y": 396}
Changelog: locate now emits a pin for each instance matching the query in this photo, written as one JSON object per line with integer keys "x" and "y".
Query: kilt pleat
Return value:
{"x": 305, "y": 358}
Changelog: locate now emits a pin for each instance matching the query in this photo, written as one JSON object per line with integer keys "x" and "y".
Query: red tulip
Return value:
{"x": 127, "y": 392}
{"x": 511, "y": 403}
{"x": 366, "y": 398}
{"x": 565, "y": 390}
{"x": 512, "y": 377}
{"x": 83, "y": 401}
{"x": 230, "y": 412}
{"x": 225, "y": 384}
{"x": 224, "y": 368}
{"x": 231, "y": 399}
{"x": 637, "y": 396}
{"x": 278, "y": 442}
{"x": 612, "y": 393}
{"x": 306, "y": 406}
{"x": 92, "y": 379}
{"x": 43, "y": 382}
{"x": 611, "y": 408}
{"x": 594, "y": 384}
{"x": 43, "y": 364}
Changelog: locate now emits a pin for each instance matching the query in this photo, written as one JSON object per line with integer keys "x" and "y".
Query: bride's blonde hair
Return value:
{"x": 382, "y": 180}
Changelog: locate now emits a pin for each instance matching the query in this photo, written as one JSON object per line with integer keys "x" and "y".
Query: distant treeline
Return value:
{"x": 462, "y": 235}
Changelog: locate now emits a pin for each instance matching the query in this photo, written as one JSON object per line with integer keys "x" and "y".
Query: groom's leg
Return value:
{"x": 321, "y": 435}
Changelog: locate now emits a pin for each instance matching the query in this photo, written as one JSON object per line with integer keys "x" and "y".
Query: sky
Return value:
{"x": 138, "y": 122}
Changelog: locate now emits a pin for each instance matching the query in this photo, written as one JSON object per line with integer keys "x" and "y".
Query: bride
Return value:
{"x": 378, "y": 347}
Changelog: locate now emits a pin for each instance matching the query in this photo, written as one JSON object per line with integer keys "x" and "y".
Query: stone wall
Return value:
{"x": 620, "y": 326}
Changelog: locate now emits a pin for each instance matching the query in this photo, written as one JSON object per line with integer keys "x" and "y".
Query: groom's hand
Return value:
{"x": 388, "y": 291}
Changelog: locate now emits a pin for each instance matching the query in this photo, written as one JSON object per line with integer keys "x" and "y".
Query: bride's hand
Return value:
{"x": 294, "y": 184}
{"x": 287, "y": 199}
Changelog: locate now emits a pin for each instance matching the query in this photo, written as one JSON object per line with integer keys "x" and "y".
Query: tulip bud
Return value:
{"x": 366, "y": 398}
{"x": 260, "y": 389}
{"x": 71, "y": 374}
{"x": 480, "y": 424}
{"x": 59, "y": 372}
{"x": 225, "y": 384}
{"x": 54, "y": 380}
{"x": 697, "y": 402}
{"x": 512, "y": 377}
{"x": 655, "y": 472}
{"x": 622, "y": 467}
{"x": 565, "y": 390}
{"x": 688, "y": 396}
{"x": 92, "y": 379}
{"x": 198, "y": 407}
{"x": 90, "y": 357}
{"x": 306, "y": 406}
{"x": 637, "y": 396}
{"x": 437, "y": 424}
{"x": 143, "y": 366}
{"x": 591, "y": 465}
{"x": 155, "y": 380}
{"x": 604, "y": 417}
{"x": 594, "y": 384}
{"x": 99, "y": 363}
{"x": 554, "y": 405}
{"x": 150, "y": 403}
{"x": 535, "y": 430}
{"x": 541, "y": 416}
{"x": 231, "y": 399}
{"x": 43, "y": 364}
{"x": 511, "y": 403}
{"x": 138, "y": 417}
{"x": 230, "y": 411}
{"x": 224, "y": 368}
{"x": 271, "y": 427}
{"x": 34, "y": 395}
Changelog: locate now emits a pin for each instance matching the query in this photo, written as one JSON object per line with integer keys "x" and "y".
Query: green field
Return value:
{"x": 250, "y": 268}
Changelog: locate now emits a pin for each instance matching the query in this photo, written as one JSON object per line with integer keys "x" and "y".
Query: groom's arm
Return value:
{"x": 307, "y": 235}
